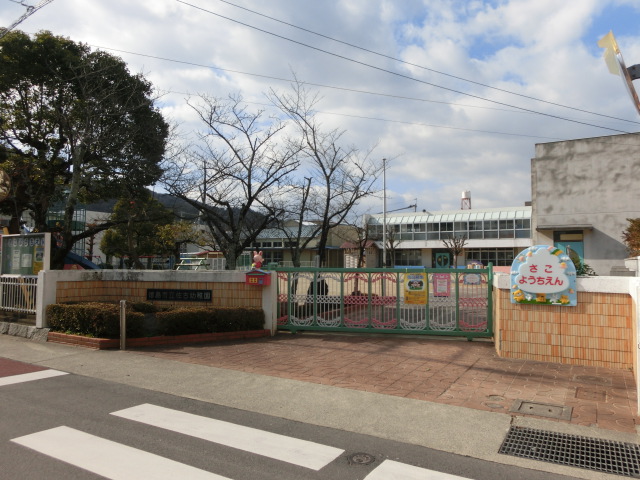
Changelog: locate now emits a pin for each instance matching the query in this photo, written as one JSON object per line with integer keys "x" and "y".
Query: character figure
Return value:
{"x": 257, "y": 259}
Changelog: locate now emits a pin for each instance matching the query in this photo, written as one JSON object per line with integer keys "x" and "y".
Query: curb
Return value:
{"x": 109, "y": 343}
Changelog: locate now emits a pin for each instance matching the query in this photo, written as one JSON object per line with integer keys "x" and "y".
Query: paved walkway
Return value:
{"x": 451, "y": 371}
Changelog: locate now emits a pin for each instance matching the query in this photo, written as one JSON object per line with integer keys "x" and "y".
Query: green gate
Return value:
{"x": 456, "y": 302}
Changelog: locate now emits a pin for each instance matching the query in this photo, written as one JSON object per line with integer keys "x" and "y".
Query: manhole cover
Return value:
{"x": 541, "y": 409}
{"x": 573, "y": 450}
{"x": 592, "y": 379}
{"x": 591, "y": 394}
{"x": 361, "y": 459}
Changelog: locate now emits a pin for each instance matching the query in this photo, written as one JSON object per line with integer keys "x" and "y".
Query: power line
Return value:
{"x": 305, "y": 82}
{"x": 399, "y": 60}
{"x": 184, "y": 62}
{"x": 353, "y": 90}
{"x": 30, "y": 11}
{"x": 401, "y": 75}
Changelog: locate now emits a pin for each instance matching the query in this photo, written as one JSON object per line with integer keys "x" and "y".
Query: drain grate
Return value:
{"x": 573, "y": 450}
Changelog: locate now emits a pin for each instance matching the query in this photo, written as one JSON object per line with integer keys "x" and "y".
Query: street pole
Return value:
{"x": 384, "y": 213}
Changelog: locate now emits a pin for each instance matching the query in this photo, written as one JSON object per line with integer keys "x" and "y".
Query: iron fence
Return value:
{"x": 416, "y": 301}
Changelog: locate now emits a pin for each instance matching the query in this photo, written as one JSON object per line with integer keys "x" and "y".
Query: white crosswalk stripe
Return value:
{"x": 280, "y": 447}
{"x": 28, "y": 377}
{"x": 109, "y": 459}
{"x": 390, "y": 470}
{"x": 116, "y": 461}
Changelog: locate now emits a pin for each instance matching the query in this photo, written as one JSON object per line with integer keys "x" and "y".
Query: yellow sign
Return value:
{"x": 415, "y": 288}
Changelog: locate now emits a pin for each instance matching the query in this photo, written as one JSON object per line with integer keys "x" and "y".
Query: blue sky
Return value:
{"x": 446, "y": 135}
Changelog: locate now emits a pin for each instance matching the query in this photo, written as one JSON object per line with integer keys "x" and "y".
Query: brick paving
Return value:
{"x": 452, "y": 372}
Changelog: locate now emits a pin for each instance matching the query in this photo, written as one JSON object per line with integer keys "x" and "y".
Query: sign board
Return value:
{"x": 179, "y": 295}
{"x": 441, "y": 284}
{"x": 26, "y": 254}
{"x": 543, "y": 275}
{"x": 415, "y": 288}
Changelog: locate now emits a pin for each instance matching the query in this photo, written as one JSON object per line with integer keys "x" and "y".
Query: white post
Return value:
{"x": 123, "y": 325}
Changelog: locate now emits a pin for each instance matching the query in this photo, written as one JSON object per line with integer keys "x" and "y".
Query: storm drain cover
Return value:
{"x": 573, "y": 450}
{"x": 548, "y": 410}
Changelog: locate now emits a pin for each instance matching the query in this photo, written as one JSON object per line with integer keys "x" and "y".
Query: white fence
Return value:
{"x": 18, "y": 293}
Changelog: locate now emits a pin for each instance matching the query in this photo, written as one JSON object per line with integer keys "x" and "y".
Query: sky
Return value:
{"x": 454, "y": 94}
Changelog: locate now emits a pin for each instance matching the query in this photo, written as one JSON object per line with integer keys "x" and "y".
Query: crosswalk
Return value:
{"x": 117, "y": 461}
{"x": 28, "y": 377}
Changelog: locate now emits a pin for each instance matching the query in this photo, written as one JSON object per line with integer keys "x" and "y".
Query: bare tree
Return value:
{"x": 358, "y": 235}
{"x": 455, "y": 246}
{"x": 232, "y": 177}
{"x": 339, "y": 177}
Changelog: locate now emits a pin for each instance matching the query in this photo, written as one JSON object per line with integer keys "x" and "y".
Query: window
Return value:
{"x": 272, "y": 256}
{"x": 490, "y": 229}
{"x": 502, "y": 257}
{"x": 461, "y": 228}
{"x": 506, "y": 229}
{"x": 523, "y": 228}
{"x": 408, "y": 258}
{"x": 475, "y": 229}
{"x": 433, "y": 231}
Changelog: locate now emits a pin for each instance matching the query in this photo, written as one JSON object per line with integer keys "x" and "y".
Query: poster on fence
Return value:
{"x": 415, "y": 289}
{"x": 441, "y": 284}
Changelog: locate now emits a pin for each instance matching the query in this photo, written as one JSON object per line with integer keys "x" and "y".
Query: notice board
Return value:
{"x": 26, "y": 254}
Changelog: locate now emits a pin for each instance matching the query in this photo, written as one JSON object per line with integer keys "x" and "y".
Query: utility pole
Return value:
{"x": 384, "y": 213}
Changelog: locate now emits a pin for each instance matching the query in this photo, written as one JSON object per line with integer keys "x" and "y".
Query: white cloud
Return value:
{"x": 537, "y": 48}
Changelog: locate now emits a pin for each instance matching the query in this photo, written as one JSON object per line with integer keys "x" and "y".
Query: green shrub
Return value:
{"x": 187, "y": 320}
{"x": 143, "y": 307}
{"x": 95, "y": 319}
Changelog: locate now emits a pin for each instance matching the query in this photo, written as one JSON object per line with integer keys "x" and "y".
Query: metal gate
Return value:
{"x": 455, "y": 302}
{"x": 18, "y": 293}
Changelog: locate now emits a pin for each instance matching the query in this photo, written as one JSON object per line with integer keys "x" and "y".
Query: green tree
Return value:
{"x": 631, "y": 237}
{"x": 136, "y": 231}
{"x": 76, "y": 126}
{"x": 174, "y": 235}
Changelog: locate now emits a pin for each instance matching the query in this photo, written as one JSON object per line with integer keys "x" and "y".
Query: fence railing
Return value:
{"x": 18, "y": 293}
{"x": 422, "y": 301}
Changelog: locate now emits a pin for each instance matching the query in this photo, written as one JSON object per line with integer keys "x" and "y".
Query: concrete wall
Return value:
{"x": 591, "y": 181}
{"x": 228, "y": 289}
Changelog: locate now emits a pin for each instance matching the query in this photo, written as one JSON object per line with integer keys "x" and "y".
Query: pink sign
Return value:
{"x": 441, "y": 284}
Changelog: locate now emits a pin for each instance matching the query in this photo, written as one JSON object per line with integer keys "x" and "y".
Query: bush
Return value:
{"x": 187, "y": 320}
{"x": 144, "y": 307}
{"x": 95, "y": 319}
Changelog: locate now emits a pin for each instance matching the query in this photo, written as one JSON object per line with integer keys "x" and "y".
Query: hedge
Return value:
{"x": 96, "y": 319}
{"x": 188, "y": 320}
{"x": 102, "y": 320}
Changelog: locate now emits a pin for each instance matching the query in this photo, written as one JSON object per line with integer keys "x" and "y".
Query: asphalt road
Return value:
{"x": 66, "y": 426}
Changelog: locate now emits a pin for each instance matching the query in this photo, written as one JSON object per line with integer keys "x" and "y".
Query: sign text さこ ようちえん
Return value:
{"x": 543, "y": 275}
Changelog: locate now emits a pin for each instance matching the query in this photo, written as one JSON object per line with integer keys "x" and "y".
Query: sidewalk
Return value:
{"x": 451, "y": 372}
{"x": 450, "y": 395}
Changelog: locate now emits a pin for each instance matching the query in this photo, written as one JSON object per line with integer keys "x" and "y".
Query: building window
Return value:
{"x": 499, "y": 257}
{"x": 271, "y": 256}
{"x": 408, "y": 258}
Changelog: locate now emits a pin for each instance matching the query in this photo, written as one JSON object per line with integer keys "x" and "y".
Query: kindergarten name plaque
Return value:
{"x": 543, "y": 275}
{"x": 179, "y": 295}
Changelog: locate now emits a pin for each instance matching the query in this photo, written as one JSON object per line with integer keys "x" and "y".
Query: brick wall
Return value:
{"x": 228, "y": 289}
{"x": 599, "y": 331}
{"x": 224, "y": 294}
